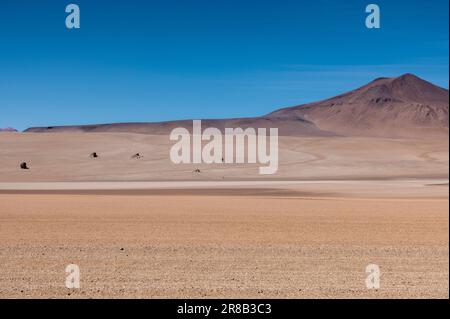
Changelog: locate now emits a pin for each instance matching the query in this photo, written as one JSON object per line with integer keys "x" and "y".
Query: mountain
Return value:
{"x": 292, "y": 126}
{"x": 8, "y": 129}
{"x": 405, "y": 106}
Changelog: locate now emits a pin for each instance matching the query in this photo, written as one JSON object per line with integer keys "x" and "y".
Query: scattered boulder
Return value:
{"x": 23, "y": 165}
{"x": 137, "y": 156}
{"x": 93, "y": 155}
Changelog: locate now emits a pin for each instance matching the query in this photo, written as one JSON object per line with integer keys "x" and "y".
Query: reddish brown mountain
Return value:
{"x": 406, "y": 106}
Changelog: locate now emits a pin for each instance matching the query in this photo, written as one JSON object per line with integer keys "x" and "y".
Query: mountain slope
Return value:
{"x": 294, "y": 126}
{"x": 406, "y": 106}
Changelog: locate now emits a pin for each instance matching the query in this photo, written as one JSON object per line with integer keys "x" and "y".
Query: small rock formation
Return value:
{"x": 23, "y": 165}
{"x": 93, "y": 155}
{"x": 137, "y": 156}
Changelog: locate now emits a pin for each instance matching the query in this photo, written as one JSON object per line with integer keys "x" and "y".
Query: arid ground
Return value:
{"x": 141, "y": 228}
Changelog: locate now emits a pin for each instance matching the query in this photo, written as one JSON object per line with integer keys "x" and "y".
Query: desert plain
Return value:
{"x": 148, "y": 228}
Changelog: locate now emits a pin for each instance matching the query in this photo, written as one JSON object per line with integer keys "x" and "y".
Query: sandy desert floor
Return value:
{"x": 142, "y": 228}
{"x": 65, "y": 157}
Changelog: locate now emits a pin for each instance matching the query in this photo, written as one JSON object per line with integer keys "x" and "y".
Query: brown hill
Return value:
{"x": 406, "y": 106}
{"x": 294, "y": 126}
{"x": 8, "y": 129}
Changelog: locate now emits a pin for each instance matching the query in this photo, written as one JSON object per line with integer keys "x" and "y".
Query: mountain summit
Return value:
{"x": 405, "y": 106}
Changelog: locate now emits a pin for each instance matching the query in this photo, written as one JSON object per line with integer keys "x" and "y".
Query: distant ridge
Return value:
{"x": 404, "y": 106}
{"x": 8, "y": 129}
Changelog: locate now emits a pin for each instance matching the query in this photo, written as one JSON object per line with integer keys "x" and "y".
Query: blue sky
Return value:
{"x": 176, "y": 59}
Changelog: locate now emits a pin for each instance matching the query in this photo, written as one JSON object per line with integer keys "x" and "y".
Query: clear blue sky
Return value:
{"x": 175, "y": 59}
